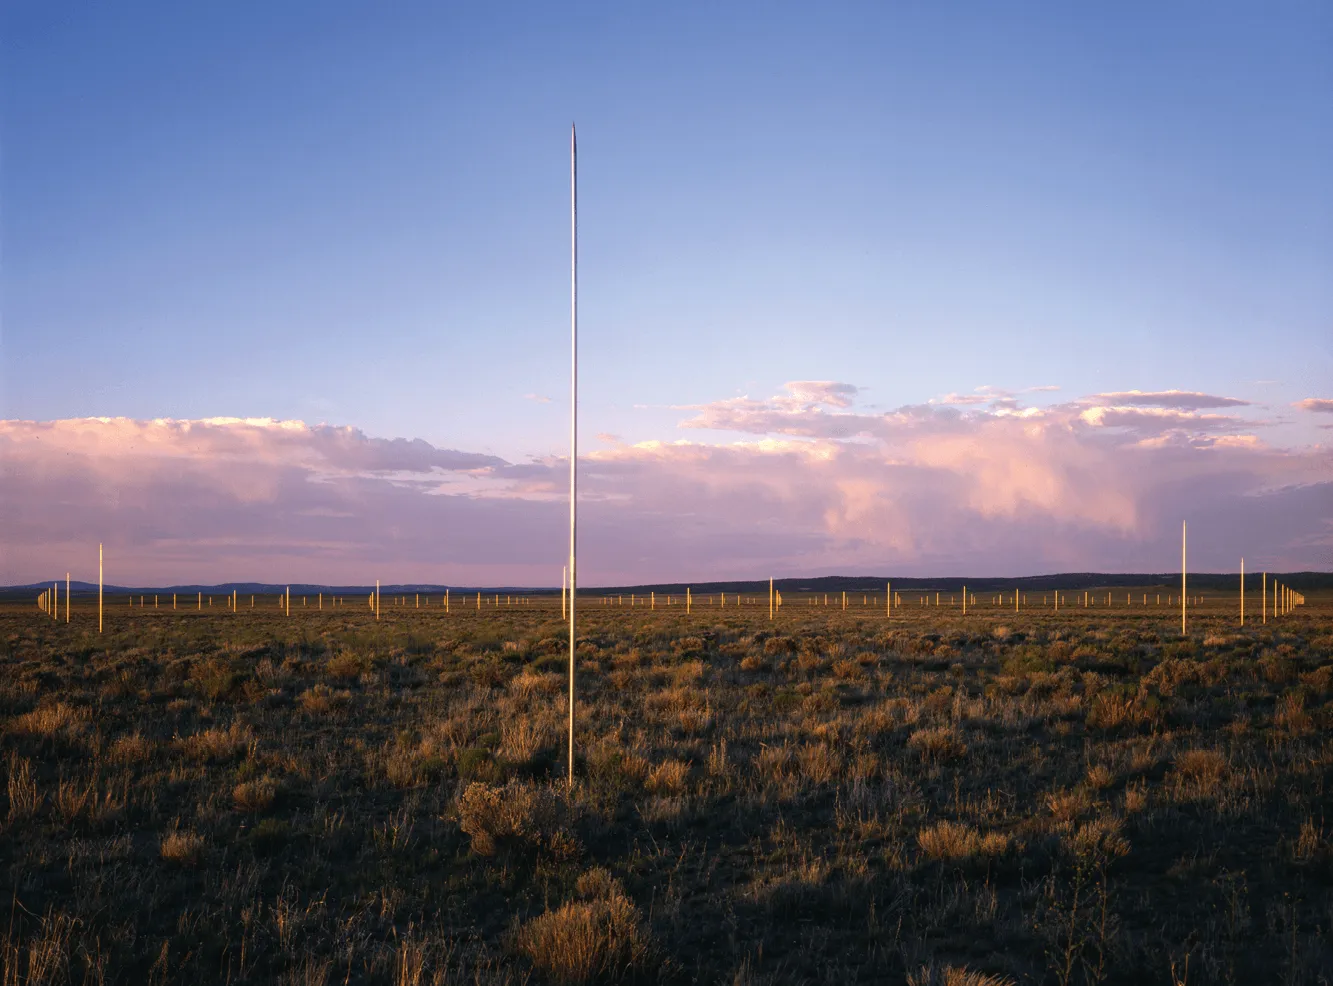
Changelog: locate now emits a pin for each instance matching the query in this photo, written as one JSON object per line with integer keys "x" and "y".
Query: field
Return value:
{"x": 829, "y": 797}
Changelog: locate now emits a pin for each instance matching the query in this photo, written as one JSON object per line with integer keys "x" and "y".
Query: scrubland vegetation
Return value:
{"x": 829, "y": 798}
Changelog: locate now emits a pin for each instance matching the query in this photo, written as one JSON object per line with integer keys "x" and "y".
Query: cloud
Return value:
{"x": 537, "y": 397}
{"x": 1190, "y": 400}
{"x": 828, "y": 392}
{"x": 1321, "y": 405}
{"x": 1155, "y": 421}
{"x": 816, "y": 487}
{"x": 962, "y": 399}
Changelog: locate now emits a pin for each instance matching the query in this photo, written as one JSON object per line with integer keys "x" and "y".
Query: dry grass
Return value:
{"x": 825, "y": 798}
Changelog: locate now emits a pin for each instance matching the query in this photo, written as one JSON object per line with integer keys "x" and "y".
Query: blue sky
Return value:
{"x": 358, "y": 214}
{"x": 349, "y": 213}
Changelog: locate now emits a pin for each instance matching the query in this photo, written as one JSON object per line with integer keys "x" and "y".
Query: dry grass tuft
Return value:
{"x": 182, "y": 848}
{"x": 1110, "y": 711}
{"x": 1199, "y": 772}
{"x": 938, "y": 744}
{"x": 599, "y": 939}
{"x": 81, "y": 801}
{"x": 321, "y": 698}
{"x": 1098, "y": 839}
{"x": 1291, "y": 716}
{"x": 668, "y": 777}
{"x": 217, "y": 745}
{"x": 50, "y": 721}
{"x": 933, "y": 975}
{"x": 24, "y": 798}
{"x": 255, "y": 795}
{"x": 955, "y": 842}
{"x": 1067, "y": 806}
{"x": 1100, "y": 777}
{"x": 131, "y": 749}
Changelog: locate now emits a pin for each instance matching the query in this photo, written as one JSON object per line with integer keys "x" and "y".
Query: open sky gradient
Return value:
{"x": 992, "y": 289}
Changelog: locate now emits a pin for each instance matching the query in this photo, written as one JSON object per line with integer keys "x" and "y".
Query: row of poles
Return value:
{"x": 1284, "y": 599}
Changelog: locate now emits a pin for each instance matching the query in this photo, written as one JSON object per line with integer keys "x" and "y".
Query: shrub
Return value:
{"x": 347, "y": 666}
{"x": 216, "y": 679}
{"x": 1028, "y": 659}
{"x": 476, "y": 763}
{"x": 848, "y": 670}
{"x": 519, "y": 816}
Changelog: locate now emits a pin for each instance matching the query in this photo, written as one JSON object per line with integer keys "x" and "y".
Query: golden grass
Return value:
{"x": 598, "y": 939}
{"x": 956, "y": 842}
{"x": 182, "y": 848}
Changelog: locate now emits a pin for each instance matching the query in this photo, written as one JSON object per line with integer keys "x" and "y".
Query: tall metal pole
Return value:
{"x": 573, "y": 415}
{"x": 99, "y": 588}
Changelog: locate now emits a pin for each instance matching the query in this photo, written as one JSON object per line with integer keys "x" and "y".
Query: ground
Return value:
{"x": 831, "y": 796}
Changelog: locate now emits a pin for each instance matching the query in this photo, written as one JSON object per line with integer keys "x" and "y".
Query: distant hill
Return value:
{"x": 1305, "y": 581}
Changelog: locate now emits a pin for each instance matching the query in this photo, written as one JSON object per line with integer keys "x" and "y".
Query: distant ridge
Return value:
{"x": 827, "y": 583}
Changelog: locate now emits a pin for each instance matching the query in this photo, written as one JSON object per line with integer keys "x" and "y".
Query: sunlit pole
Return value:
{"x": 573, "y": 416}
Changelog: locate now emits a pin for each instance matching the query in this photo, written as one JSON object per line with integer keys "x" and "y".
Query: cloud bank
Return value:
{"x": 814, "y": 486}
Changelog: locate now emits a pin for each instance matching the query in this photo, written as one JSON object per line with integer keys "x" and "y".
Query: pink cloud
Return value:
{"x": 820, "y": 487}
{"x": 1183, "y": 399}
{"x": 1322, "y": 405}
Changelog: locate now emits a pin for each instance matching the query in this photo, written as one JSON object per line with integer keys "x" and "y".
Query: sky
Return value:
{"x": 864, "y": 289}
